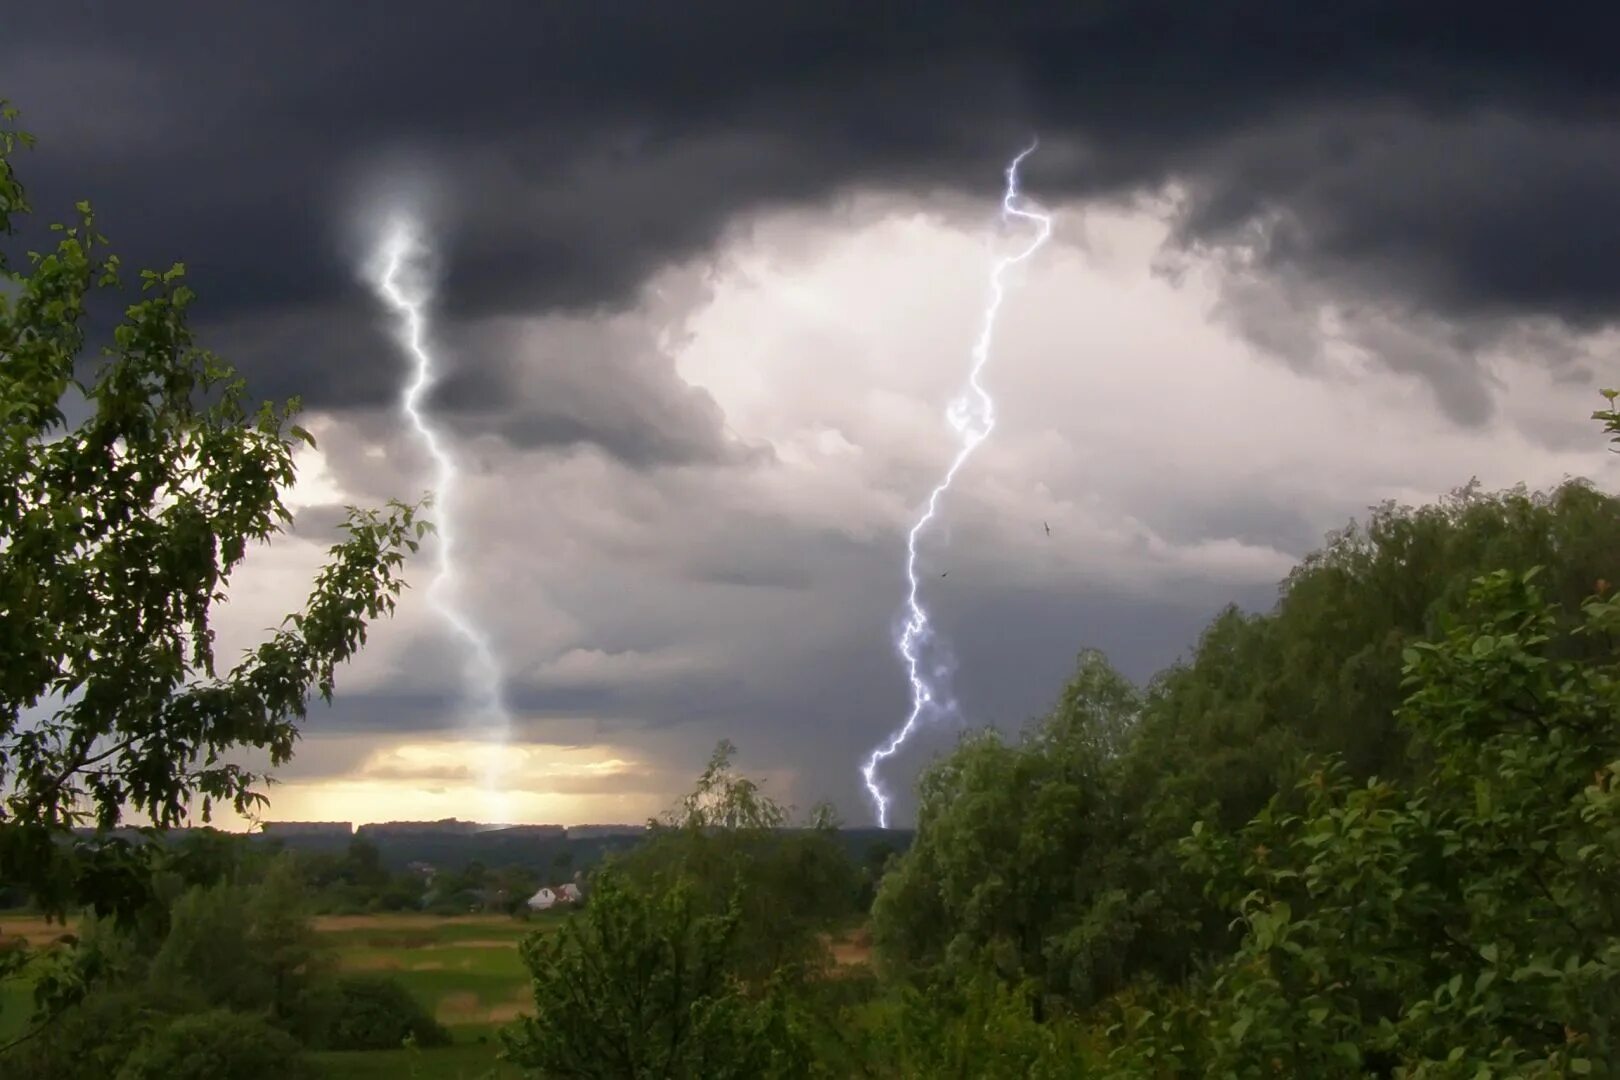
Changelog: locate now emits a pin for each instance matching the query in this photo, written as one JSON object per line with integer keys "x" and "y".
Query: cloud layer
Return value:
{"x": 707, "y": 282}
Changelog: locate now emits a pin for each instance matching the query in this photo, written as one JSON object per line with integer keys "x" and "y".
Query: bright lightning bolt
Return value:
{"x": 972, "y": 416}
{"x": 400, "y": 247}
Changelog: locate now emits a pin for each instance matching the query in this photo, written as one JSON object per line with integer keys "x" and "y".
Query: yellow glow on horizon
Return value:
{"x": 426, "y": 780}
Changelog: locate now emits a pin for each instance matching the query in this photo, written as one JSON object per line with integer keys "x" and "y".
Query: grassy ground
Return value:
{"x": 17, "y": 995}
{"x": 465, "y": 969}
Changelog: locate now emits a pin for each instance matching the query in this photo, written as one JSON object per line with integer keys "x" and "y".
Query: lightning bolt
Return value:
{"x": 972, "y": 416}
{"x": 401, "y": 246}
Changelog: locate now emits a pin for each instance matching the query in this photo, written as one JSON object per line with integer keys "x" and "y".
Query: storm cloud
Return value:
{"x": 707, "y": 274}
{"x": 1452, "y": 159}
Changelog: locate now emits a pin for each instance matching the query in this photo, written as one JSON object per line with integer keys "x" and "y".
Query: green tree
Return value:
{"x": 374, "y": 1013}
{"x": 210, "y": 1045}
{"x": 978, "y": 1027}
{"x": 118, "y": 535}
{"x": 249, "y": 948}
{"x": 1012, "y": 853}
{"x": 642, "y": 984}
{"x": 119, "y": 532}
{"x": 1320, "y": 674}
{"x": 1463, "y": 923}
{"x": 729, "y": 844}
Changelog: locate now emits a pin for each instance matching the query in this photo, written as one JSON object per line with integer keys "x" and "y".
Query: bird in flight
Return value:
{"x": 946, "y": 572}
{"x": 1048, "y": 528}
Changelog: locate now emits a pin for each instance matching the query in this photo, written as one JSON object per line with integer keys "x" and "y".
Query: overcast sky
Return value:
{"x": 710, "y": 273}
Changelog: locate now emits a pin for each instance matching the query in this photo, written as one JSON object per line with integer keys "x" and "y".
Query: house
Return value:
{"x": 547, "y": 897}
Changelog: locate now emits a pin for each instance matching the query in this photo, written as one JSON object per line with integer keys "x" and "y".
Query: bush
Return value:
{"x": 87, "y": 1041}
{"x": 644, "y": 984}
{"x": 976, "y": 1025}
{"x": 213, "y": 1045}
{"x": 370, "y": 1012}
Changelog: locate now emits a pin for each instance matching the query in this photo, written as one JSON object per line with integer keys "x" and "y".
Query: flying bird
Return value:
{"x": 1048, "y": 528}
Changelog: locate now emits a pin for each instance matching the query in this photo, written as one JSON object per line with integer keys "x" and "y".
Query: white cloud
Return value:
{"x": 1175, "y": 463}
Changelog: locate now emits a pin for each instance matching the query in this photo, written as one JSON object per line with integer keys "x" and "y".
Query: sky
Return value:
{"x": 708, "y": 275}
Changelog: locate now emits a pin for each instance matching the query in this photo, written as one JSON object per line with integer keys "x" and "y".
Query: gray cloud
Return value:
{"x": 563, "y": 384}
{"x": 663, "y": 559}
{"x": 1453, "y": 158}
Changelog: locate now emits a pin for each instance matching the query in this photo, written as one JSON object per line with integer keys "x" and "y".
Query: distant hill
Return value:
{"x": 453, "y": 844}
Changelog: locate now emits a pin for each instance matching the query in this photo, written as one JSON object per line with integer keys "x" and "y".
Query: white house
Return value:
{"x": 546, "y": 897}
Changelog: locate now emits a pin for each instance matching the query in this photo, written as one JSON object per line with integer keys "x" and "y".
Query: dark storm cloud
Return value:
{"x": 1449, "y": 158}
{"x": 605, "y": 384}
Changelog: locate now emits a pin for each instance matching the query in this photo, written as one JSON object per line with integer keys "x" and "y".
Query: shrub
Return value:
{"x": 217, "y": 1044}
{"x": 87, "y": 1041}
{"x": 370, "y": 1012}
{"x": 643, "y": 984}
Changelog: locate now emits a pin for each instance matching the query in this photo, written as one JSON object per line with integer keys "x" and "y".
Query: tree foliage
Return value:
{"x": 132, "y": 486}
{"x": 645, "y": 983}
{"x": 729, "y": 843}
{"x": 1464, "y": 923}
{"x": 1011, "y": 848}
{"x": 242, "y": 945}
{"x": 219, "y": 1043}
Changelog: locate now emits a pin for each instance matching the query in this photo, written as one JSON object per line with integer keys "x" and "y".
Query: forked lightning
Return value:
{"x": 972, "y": 417}
{"x": 402, "y": 247}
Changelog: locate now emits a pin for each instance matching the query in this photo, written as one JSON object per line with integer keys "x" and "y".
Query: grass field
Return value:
{"x": 465, "y": 969}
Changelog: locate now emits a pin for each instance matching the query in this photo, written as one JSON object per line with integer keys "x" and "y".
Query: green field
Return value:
{"x": 465, "y": 969}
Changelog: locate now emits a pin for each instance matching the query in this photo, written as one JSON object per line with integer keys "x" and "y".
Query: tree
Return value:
{"x": 118, "y": 535}
{"x": 1320, "y": 674}
{"x": 246, "y": 947}
{"x": 205, "y": 1046}
{"x": 1463, "y": 923}
{"x": 250, "y": 948}
{"x": 728, "y": 843}
{"x": 370, "y": 1012}
{"x": 1012, "y": 853}
{"x": 643, "y": 984}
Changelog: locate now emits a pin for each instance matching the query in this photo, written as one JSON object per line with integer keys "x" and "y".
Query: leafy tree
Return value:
{"x": 1464, "y": 923}
{"x": 644, "y": 983}
{"x": 210, "y": 1045}
{"x": 728, "y": 844}
{"x": 89, "y": 1040}
{"x": 373, "y": 1013}
{"x": 118, "y": 534}
{"x": 252, "y": 949}
{"x": 243, "y": 946}
{"x": 1012, "y": 850}
{"x": 976, "y": 1027}
{"x": 1320, "y": 674}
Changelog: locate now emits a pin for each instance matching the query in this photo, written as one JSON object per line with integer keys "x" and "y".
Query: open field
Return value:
{"x": 33, "y": 929}
{"x": 465, "y": 969}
